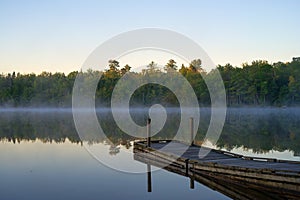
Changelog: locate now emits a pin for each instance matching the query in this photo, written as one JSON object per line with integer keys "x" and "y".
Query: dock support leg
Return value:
{"x": 187, "y": 167}
{"x": 149, "y": 178}
{"x": 192, "y": 178}
{"x": 192, "y": 183}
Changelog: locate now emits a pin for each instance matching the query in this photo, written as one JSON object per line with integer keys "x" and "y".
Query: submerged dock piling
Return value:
{"x": 192, "y": 177}
{"x": 149, "y": 178}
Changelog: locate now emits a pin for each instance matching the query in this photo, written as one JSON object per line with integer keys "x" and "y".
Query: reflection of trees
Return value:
{"x": 54, "y": 126}
{"x": 260, "y": 130}
{"x": 45, "y": 126}
{"x": 114, "y": 150}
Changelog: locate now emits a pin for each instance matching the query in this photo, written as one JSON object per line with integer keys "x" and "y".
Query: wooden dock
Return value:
{"x": 234, "y": 175}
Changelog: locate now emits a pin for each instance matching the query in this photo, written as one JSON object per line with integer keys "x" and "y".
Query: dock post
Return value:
{"x": 192, "y": 183}
{"x": 192, "y": 130}
{"x": 149, "y": 178}
{"x": 192, "y": 178}
{"x": 187, "y": 167}
{"x": 148, "y": 132}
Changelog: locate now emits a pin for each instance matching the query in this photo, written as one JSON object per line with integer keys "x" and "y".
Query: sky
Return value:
{"x": 58, "y": 36}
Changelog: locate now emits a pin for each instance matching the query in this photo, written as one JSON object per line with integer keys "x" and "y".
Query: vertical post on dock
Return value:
{"x": 149, "y": 178}
{"x": 192, "y": 130}
{"x": 148, "y": 132}
{"x": 187, "y": 167}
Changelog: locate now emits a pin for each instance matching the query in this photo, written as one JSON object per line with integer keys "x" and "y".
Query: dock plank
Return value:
{"x": 263, "y": 178}
{"x": 192, "y": 152}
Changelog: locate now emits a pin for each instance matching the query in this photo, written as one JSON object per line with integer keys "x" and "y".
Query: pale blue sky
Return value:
{"x": 54, "y": 36}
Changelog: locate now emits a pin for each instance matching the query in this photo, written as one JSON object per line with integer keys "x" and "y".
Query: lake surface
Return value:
{"x": 42, "y": 156}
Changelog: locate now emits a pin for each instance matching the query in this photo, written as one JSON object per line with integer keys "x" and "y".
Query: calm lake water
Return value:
{"x": 42, "y": 156}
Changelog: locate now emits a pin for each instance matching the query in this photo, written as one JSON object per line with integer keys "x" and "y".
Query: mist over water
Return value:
{"x": 247, "y": 130}
{"x": 41, "y": 152}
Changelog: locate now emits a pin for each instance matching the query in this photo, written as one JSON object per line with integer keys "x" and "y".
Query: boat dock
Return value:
{"x": 237, "y": 176}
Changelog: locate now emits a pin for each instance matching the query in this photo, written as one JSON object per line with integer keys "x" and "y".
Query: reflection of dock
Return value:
{"x": 231, "y": 174}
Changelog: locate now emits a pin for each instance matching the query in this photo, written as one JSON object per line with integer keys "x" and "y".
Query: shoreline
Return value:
{"x": 49, "y": 109}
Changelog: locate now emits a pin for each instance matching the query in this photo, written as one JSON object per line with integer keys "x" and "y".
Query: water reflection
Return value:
{"x": 262, "y": 130}
{"x": 37, "y": 170}
{"x": 256, "y": 130}
{"x": 235, "y": 189}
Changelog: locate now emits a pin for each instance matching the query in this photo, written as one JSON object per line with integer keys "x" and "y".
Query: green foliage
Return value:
{"x": 259, "y": 84}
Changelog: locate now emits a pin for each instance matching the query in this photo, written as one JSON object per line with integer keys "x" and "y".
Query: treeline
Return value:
{"x": 261, "y": 83}
{"x": 257, "y": 84}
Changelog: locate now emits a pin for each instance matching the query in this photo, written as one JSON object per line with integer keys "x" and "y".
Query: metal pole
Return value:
{"x": 149, "y": 132}
{"x": 192, "y": 130}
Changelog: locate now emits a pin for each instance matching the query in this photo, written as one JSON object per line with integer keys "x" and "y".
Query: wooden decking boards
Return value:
{"x": 232, "y": 174}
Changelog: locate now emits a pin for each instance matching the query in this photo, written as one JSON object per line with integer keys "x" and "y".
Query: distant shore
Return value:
{"x": 108, "y": 109}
